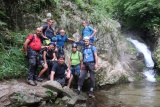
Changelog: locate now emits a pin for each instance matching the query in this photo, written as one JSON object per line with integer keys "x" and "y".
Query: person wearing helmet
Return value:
{"x": 48, "y": 56}
{"x": 88, "y": 65}
{"x": 74, "y": 63}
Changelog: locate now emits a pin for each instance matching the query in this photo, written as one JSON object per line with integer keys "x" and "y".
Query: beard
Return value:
{"x": 39, "y": 35}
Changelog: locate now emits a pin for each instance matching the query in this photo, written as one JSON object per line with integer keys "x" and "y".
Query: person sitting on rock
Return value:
{"x": 48, "y": 56}
{"x": 87, "y": 31}
{"x": 60, "y": 71}
{"x": 74, "y": 63}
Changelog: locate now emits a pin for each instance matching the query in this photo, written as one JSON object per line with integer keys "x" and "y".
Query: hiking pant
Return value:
{"x": 84, "y": 73}
{"x": 33, "y": 57}
{"x": 60, "y": 51}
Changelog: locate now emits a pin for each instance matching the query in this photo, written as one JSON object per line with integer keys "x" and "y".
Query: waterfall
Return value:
{"x": 149, "y": 71}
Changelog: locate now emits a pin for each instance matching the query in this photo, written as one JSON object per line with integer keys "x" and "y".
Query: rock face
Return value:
{"x": 117, "y": 60}
{"x": 19, "y": 93}
{"x": 70, "y": 97}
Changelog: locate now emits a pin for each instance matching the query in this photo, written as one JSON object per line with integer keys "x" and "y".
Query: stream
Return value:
{"x": 144, "y": 93}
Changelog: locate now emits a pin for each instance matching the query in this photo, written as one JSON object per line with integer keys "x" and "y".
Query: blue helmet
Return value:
{"x": 54, "y": 39}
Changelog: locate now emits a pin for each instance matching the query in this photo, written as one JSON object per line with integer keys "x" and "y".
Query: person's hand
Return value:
{"x": 68, "y": 75}
{"x": 45, "y": 64}
{"x": 26, "y": 53}
{"x": 82, "y": 66}
{"x": 95, "y": 66}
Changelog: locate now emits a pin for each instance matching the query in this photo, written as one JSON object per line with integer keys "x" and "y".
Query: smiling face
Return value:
{"x": 38, "y": 32}
{"x": 62, "y": 32}
{"x": 86, "y": 42}
{"x": 51, "y": 46}
{"x": 61, "y": 60}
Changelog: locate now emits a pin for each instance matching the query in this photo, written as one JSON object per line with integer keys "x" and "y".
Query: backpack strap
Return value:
{"x": 78, "y": 55}
{"x": 90, "y": 47}
{"x": 33, "y": 37}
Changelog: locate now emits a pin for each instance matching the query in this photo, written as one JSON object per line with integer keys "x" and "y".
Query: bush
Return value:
{"x": 13, "y": 64}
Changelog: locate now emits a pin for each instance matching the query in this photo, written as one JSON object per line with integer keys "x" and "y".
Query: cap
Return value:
{"x": 51, "y": 43}
{"x": 74, "y": 45}
{"x": 86, "y": 37}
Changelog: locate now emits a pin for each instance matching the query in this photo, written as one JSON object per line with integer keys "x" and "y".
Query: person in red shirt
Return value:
{"x": 32, "y": 46}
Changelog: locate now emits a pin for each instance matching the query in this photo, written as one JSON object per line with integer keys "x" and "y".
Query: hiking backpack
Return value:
{"x": 23, "y": 50}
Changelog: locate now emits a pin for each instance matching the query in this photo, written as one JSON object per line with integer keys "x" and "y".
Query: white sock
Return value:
{"x": 79, "y": 88}
{"x": 91, "y": 89}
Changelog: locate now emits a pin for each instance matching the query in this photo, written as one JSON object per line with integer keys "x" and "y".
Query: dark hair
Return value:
{"x": 61, "y": 56}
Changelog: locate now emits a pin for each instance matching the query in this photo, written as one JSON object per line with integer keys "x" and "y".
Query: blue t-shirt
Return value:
{"x": 61, "y": 40}
{"x": 87, "y": 31}
{"x": 48, "y": 31}
{"x": 88, "y": 53}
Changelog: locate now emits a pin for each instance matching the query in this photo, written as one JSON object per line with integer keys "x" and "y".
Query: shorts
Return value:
{"x": 75, "y": 70}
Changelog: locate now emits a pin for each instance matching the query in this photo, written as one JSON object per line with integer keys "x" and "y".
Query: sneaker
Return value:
{"x": 39, "y": 79}
{"x": 78, "y": 92}
{"x": 31, "y": 82}
{"x": 91, "y": 94}
{"x": 35, "y": 82}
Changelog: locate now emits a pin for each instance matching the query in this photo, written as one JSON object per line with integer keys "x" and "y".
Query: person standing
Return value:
{"x": 89, "y": 65}
{"x": 74, "y": 63}
{"x": 61, "y": 39}
{"x": 32, "y": 46}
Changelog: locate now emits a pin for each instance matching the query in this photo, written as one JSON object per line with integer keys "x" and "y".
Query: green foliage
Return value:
{"x": 139, "y": 13}
{"x": 156, "y": 56}
{"x": 49, "y": 92}
{"x": 13, "y": 64}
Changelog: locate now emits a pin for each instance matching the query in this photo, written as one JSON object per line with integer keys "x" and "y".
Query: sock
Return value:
{"x": 79, "y": 88}
{"x": 91, "y": 89}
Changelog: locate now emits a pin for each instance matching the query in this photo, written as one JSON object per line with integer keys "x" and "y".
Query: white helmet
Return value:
{"x": 86, "y": 37}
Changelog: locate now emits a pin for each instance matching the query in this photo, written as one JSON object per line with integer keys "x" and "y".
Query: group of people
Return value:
{"x": 53, "y": 56}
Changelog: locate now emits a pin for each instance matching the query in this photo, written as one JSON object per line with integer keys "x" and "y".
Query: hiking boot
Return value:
{"x": 35, "y": 82}
{"x": 91, "y": 94}
{"x": 39, "y": 79}
{"x": 78, "y": 92}
{"x": 31, "y": 82}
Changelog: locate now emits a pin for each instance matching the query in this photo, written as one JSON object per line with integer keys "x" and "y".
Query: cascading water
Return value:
{"x": 141, "y": 47}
